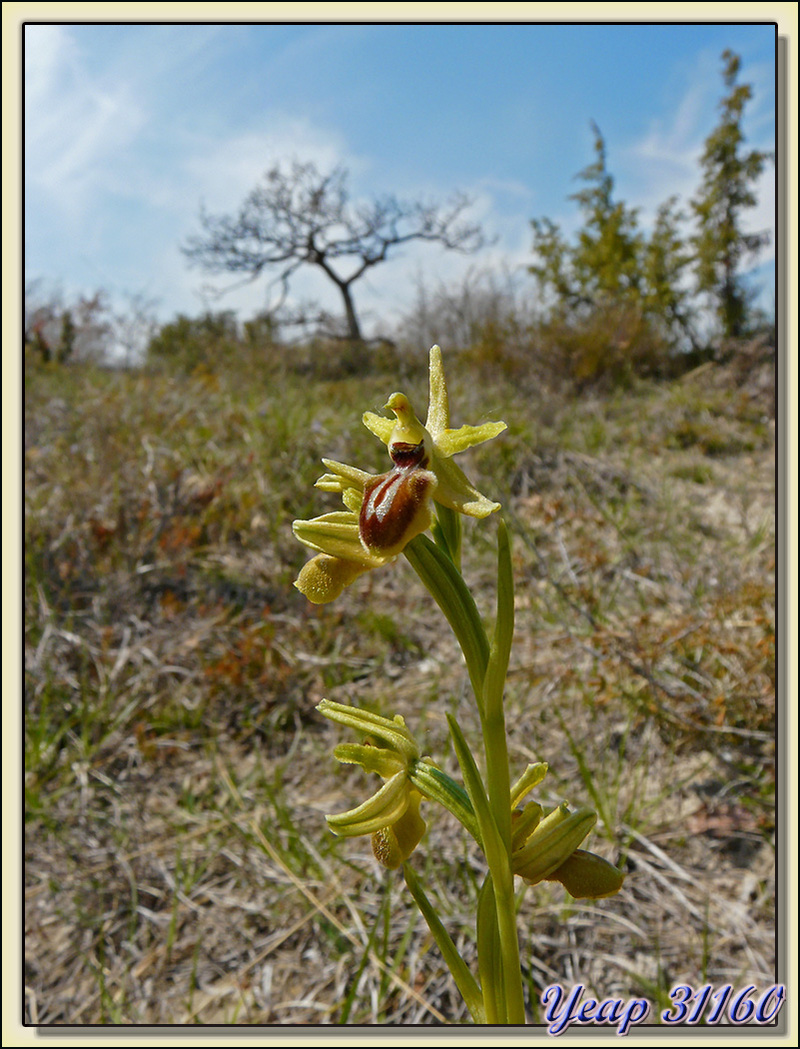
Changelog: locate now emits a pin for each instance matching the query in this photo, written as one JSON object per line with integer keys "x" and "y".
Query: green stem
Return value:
{"x": 487, "y": 667}
{"x": 498, "y": 776}
{"x": 498, "y": 856}
{"x": 490, "y": 959}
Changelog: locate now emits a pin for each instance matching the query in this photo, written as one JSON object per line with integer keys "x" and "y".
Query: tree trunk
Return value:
{"x": 353, "y": 327}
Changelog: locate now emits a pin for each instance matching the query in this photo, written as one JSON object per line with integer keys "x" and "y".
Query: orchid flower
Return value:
{"x": 385, "y": 512}
{"x": 391, "y": 816}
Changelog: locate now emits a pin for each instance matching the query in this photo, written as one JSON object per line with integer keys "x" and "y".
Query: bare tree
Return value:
{"x": 80, "y": 329}
{"x": 302, "y": 217}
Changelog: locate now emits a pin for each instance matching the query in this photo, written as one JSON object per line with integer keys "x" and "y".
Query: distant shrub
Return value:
{"x": 607, "y": 343}
{"x": 610, "y": 346}
{"x": 606, "y": 348}
{"x": 191, "y": 342}
{"x": 479, "y": 308}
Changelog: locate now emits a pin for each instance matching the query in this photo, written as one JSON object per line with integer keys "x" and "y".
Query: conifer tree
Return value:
{"x": 726, "y": 192}
{"x": 605, "y": 264}
{"x": 606, "y": 260}
{"x": 665, "y": 258}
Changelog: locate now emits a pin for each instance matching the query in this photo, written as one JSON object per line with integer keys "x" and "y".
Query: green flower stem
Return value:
{"x": 498, "y": 776}
{"x": 490, "y": 959}
{"x": 494, "y": 725}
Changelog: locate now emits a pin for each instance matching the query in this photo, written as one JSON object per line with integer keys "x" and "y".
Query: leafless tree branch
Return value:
{"x": 301, "y": 217}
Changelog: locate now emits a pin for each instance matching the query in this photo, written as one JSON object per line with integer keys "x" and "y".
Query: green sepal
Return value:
{"x": 588, "y": 876}
{"x": 436, "y": 785}
{"x": 391, "y": 731}
{"x": 523, "y": 823}
{"x": 553, "y": 841}
{"x": 372, "y": 759}
{"x": 530, "y": 778}
{"x": 336, "y": 534}
{"x": 383, "y": 808}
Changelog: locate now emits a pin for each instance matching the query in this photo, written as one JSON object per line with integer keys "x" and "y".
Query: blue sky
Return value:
{"x": 129, "y": 127}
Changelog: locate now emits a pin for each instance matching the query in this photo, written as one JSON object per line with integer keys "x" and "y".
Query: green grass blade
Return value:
{"x": 465, "y": 981}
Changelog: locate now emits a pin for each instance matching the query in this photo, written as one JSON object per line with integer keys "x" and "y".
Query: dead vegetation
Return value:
{"x": 178, "y": 867}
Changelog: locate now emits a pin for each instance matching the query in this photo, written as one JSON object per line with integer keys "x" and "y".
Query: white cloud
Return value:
{"x": 47, "y": 49}
{"x": 665, "y": 162}
{"x": 222, "y": 171}
{"x": 75, "y": 126}
{"x": 116, "y": 174}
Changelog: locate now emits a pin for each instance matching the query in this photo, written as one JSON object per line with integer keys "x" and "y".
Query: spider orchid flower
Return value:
{"x": 391, "y": 816}
{"x": 385, "y": 512}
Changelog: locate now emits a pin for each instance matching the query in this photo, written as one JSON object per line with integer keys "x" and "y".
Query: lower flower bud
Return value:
{"x": 323, "y": 578}
{"x": 588, "y": 876}
{"x": 394, "y": 844}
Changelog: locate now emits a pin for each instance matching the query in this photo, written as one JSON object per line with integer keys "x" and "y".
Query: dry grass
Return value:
{"x": 178, "y": 867}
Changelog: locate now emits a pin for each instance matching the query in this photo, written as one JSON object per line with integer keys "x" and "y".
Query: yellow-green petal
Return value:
{"x": 372, "y": 759}
{"x": 341, "y": 477}
{"x": 337, "y": 534}
{"x": 455, "y": 491}
{"x": 449, "y": 442}
{"x": 379, "y": 425}
{"x": 438, "y": 401}
{"x": 352, "y": 499}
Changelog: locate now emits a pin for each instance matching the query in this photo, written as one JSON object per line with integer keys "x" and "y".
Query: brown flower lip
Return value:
{"x": 395, "y": 507}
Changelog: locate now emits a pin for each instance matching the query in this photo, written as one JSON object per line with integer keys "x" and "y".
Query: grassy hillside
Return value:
{"x": 178, "y": 865}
